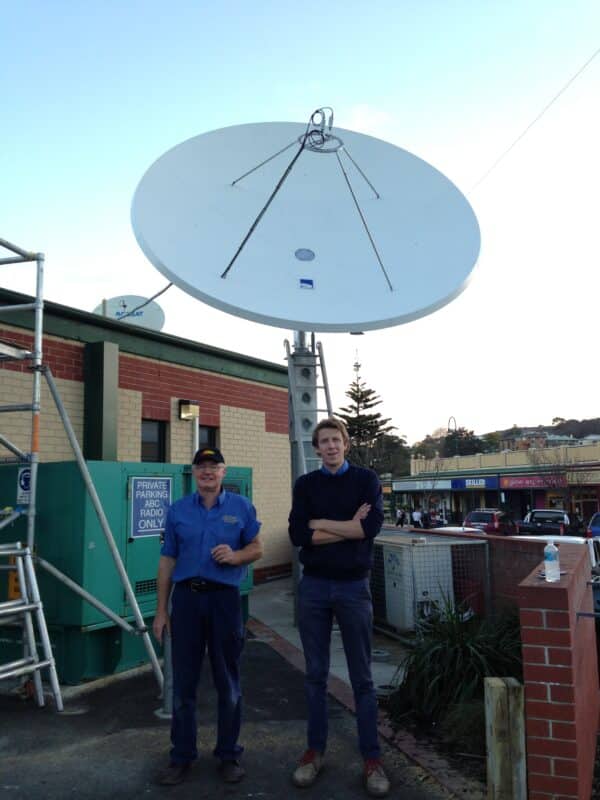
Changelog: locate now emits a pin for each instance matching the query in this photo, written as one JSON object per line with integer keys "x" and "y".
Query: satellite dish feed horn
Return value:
{"x": 316, "y": 140}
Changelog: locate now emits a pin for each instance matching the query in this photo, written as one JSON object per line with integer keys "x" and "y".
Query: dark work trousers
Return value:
{"x": 319, "y": 599}
{"x": 200, "y": 621}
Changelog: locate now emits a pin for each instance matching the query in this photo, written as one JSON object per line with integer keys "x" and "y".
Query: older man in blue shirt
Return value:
{"x": 210, "y": 538}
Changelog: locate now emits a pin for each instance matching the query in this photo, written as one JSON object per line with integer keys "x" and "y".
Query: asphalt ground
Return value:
{"x": 108, "y": 743}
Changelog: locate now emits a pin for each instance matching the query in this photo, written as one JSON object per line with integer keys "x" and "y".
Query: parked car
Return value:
{"x": 552, "y": 521}
{"x": 491, "y": 520}
{"x": 593, "y": 526}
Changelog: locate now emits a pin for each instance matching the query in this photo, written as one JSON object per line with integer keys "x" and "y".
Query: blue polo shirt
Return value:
{"x": 191, "y": 532}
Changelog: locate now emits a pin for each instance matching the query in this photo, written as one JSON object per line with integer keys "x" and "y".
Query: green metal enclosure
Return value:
{"x": 135, "y": 497}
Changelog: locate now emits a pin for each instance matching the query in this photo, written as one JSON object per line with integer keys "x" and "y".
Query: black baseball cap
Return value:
{"x": 209, "y": 454}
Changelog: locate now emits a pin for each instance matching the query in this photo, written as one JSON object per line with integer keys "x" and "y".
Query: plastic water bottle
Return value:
{"x": 551, "y": 562}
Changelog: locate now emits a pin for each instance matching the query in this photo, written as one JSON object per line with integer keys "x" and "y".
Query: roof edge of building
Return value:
{"x": 85, "y": 326}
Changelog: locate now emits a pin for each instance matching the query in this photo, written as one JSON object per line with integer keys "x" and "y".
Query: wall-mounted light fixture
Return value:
{"x": 189, "y": 409}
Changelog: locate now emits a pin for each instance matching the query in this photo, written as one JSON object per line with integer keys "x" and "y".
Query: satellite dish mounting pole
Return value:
{"x": 302, "y": 375}
{"x": 305, "y": 362}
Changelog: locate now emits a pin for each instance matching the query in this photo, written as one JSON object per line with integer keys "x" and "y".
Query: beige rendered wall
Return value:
{"x": 245, "y": 443}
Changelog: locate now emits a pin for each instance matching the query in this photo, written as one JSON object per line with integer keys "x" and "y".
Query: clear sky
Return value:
{"x": 93, "y": 92}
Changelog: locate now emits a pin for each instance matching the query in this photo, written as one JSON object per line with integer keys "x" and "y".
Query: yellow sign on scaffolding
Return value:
{"x": 14, "y": 590}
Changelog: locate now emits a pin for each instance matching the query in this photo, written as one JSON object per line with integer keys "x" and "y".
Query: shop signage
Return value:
{"x": 421, "y": 485}
{"x": 533, "y": 481}
{"x": 150, "y": 501}
{"x": 475, "y": 483}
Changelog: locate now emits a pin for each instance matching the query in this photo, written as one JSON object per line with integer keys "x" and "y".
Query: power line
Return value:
{"x": 533, "y": 122}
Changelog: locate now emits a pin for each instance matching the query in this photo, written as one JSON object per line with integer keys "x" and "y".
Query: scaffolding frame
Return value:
{"x": 9, "y": 352}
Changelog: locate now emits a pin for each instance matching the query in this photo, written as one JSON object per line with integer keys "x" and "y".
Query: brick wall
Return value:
{"x": 65, "y": 358}
{"x": 160, "y": 382}
{"x": 511, "y": 561}
{"x": 560, "y": 668}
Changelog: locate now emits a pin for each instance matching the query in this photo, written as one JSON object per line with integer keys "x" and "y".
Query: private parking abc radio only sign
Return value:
{"x": 150, "y": 501}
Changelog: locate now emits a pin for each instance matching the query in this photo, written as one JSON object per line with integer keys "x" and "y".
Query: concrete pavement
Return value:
{"x": 109, "y": 745}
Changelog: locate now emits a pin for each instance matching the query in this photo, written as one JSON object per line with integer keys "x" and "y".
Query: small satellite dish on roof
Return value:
{"x": 298, "y": 226}
{"x": 134, "y": 310}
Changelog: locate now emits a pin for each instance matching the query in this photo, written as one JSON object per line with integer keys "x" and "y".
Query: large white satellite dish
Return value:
{"x": 306, "y": 227}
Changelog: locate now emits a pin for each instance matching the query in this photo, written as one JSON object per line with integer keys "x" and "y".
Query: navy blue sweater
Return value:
{"x": 319, "y": 495}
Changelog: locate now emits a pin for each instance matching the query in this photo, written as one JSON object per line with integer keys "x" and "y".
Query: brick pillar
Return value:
{"x": 560, "y": 671}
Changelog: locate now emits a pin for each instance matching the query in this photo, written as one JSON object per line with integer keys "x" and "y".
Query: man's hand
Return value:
{"x": 161, "y": 622}
{"x": 223, "y": 554}
{"x": 362, "y": 511}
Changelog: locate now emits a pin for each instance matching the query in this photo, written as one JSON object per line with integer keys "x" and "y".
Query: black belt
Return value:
{"x": 204, "y": 585}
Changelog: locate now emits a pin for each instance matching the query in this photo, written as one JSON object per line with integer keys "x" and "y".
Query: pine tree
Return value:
{"x": 365, "y": 427}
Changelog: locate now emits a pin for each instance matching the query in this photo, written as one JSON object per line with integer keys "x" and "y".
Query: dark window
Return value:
{"x": 208, "y": 436}
{"x": 154, "y": 436}
{"x": 481, "y": 516}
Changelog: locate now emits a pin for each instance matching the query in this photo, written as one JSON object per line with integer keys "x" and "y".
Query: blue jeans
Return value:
{"x": 200, "y": 621}
{"x": 319, "y": 599}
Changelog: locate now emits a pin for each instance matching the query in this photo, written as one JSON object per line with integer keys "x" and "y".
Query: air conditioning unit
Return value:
{"x": 418, "y": 578}
{"x": 413, "y": 573}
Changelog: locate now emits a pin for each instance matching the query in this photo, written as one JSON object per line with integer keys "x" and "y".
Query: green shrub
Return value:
{"x": 448, "y": 658}
{"x": 462, "y": 728}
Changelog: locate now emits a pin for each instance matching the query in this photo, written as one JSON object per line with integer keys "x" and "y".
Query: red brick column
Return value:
{"x": 560, "y": 670}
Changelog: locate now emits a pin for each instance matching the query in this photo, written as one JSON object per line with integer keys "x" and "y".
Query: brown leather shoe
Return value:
{"x": 232, "y": 771}
{"x": 173, "y": 774}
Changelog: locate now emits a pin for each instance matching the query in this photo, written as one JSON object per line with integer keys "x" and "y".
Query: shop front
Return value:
{"x": 432, "y": 495}
{"x": 478, "y": 491}
{"x": 576, "y": 491}
{"x": 521, "y": 493}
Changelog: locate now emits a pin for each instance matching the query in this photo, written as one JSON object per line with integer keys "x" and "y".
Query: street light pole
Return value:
{"x": 453, "y": 419}
{"x": 450, "y": 419}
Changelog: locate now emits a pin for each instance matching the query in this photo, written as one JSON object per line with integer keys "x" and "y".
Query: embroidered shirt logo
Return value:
{"x": 229, "y": 518}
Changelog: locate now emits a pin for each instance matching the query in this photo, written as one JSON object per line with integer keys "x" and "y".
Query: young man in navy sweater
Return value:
{"x": 337, "y": 511}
